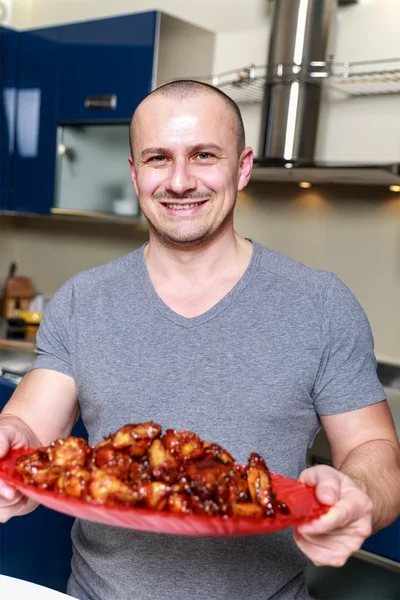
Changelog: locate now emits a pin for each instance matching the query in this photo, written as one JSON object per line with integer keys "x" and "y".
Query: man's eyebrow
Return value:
{"x": 201, "y": 147}
{"x": 156, "y": 151}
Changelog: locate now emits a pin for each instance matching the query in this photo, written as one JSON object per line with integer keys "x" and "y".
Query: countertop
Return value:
{"x": 11, "y": 587}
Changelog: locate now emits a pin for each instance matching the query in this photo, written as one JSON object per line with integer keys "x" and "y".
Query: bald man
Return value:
{"x": 221, "y": 336}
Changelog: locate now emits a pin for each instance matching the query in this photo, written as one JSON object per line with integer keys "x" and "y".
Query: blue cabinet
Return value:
{"x": 37, "y": 547}
{"x": 6, "y": 390}
{"x": 36, "y": 121}
{"x": 110, "y": 57}
{"x": 386, "y": 542}
{"x": 9, "y": 42}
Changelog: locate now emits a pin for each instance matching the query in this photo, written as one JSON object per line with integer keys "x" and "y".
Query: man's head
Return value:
{"x": 183, "y": 89}
{"x": 188, "y": 161}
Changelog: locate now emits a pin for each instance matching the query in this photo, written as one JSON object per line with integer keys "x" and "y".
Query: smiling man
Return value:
{"x": 220, "y": 336}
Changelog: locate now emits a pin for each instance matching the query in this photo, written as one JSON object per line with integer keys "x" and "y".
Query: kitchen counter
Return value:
{"x": 15, "y": 359}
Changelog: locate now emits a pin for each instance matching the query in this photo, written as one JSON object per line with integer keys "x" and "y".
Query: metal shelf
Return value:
{"x": 353, "y": 79}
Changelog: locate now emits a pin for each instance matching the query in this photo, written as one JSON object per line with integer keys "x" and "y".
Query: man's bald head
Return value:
{"x": 186, "y": 88}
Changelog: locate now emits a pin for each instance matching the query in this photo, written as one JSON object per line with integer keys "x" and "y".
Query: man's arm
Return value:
{"x": 363, "y": 489}
{"x": 365, "y": 447}
{"x": 47, "y": 402}
{"x": 43, "y": 408}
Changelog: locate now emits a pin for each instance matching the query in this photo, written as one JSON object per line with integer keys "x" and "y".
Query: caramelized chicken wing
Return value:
{"x": 214, "y": 451}
{"x": 29, "y": 463}
{"x": 72, "y": 452}
{"x": 74, "y": 482}
{"x": 137, "y": 438}
{"x": 183, "y": 445}
{"x": 105, "y": 487}
{"x": 115, "y": 462}
{"x": 154, "y": 494}
{"x": 162, "y": 464}
{"x": 259, "y": 482}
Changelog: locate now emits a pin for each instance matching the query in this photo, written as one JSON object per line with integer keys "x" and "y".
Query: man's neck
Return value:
{"x": 226, "y": 255}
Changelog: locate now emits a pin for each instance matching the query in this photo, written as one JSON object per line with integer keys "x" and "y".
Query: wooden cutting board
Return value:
{"x": 18, "y": 344}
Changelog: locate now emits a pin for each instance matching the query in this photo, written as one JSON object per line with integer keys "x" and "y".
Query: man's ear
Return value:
{"x": 246, "y": 166}
{"x": 133, "y": 175}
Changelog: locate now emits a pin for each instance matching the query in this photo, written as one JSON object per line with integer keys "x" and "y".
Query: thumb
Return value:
{"x": 326, "y": 481}
{"x": 6, "y": 437}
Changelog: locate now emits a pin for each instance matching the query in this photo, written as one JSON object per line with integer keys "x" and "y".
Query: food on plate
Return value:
{"x": 141, "y": 467}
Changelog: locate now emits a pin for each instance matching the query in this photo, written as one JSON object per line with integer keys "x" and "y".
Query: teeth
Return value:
{"x": 183, "y": 206}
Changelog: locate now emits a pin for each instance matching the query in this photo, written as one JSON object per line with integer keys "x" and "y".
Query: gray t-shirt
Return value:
{"x": 253, "y": 373}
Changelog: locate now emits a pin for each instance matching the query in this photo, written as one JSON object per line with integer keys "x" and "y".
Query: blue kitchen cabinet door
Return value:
{"x": 37, "y": 547}
{"x": 386, "y": 542}
{"x": 6, "y": 390}
{"x": 114, "y": 57}
{"x": 36, "y": 121}
{"x": 9, "y": 41}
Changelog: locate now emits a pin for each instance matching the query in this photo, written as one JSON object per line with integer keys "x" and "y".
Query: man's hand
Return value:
{"x": 13, "y": 503}
{"x": 334, "y": 537}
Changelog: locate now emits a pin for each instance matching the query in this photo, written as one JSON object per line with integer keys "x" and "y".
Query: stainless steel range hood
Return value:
{"x": 297, "y": 60}
{"x": 324, "y": 173}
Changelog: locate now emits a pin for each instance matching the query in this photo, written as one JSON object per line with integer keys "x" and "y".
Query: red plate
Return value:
{"x": 299, "y": 497}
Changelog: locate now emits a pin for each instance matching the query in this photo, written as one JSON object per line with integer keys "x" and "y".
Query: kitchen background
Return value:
{"x": 353, "y": 231}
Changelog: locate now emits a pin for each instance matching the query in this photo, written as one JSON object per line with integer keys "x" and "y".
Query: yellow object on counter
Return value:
{"x": 32, "y": 321}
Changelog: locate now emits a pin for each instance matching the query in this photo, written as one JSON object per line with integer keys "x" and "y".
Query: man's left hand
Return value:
{"x": 331, "y": 539}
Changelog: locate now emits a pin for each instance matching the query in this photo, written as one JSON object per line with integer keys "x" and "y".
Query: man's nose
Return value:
{"x": 181, "y": 178}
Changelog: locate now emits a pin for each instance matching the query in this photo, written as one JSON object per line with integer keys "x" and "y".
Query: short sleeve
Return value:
{"x": 347, "y": 378}
{"x": 53, "y": 341}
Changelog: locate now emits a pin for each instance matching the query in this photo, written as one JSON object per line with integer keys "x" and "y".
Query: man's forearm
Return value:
{"x": 375, "y": 468}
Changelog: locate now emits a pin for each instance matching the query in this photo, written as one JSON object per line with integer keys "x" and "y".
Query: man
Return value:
{"x": 204, "y": 330}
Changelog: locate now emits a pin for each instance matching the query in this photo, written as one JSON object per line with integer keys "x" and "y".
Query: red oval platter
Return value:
{"x": 299, "y": 497}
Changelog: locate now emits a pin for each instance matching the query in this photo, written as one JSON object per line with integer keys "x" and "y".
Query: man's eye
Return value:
{"x": 205, "y": 156}
{"x": 157, "y": 159}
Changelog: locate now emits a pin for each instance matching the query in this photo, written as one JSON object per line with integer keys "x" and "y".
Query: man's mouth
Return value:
{"x": 173, "y": 206}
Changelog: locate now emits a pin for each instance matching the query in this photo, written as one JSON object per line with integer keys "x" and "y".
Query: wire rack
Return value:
{"x": 364, "y": 78}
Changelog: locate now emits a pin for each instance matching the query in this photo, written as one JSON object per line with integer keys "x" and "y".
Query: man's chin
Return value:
{"x": 181, "y": 239}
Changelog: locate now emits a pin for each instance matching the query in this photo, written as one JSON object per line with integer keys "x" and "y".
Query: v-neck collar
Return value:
{"x": 215, "y": 310}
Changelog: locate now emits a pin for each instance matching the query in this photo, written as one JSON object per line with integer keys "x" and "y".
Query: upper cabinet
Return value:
{"x": 36, "y": 120}
{"x": 107, "y": 67}
{"x": 77, "y": 86}
{"x": 9, "y": 42}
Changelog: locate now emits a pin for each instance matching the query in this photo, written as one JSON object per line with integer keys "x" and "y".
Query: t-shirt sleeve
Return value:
{"x": 347, "y": 377}
{"x": 53, "y": 341}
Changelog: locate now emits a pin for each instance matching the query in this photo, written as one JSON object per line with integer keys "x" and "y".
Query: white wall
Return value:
{"x": 217, "y": 15}
{"x": 363, "y": 129}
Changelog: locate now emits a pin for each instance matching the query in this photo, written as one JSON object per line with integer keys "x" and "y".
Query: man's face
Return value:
{"x": 186, "y": 169}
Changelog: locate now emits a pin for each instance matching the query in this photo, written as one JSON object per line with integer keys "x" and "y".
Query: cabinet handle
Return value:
{"x": 101, "y": 102}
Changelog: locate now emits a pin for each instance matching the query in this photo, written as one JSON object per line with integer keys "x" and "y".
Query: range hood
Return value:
{"x": 297, "y": 60}
{"x": 386, "y": 175}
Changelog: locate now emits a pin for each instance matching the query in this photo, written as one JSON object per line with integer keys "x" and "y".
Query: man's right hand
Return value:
{"x": 30, "y": 419}
{"x": 13, "y": 436}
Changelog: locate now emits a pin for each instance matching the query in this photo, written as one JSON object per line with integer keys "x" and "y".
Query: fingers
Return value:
{"x": 7, "y": 493}
{"x": 13, "y": 510}
{"x": 5, "y": 442}
{"x": 328, "y": 550}
{"x": 326, "y": 480}
{"x": 353, "y": 508}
